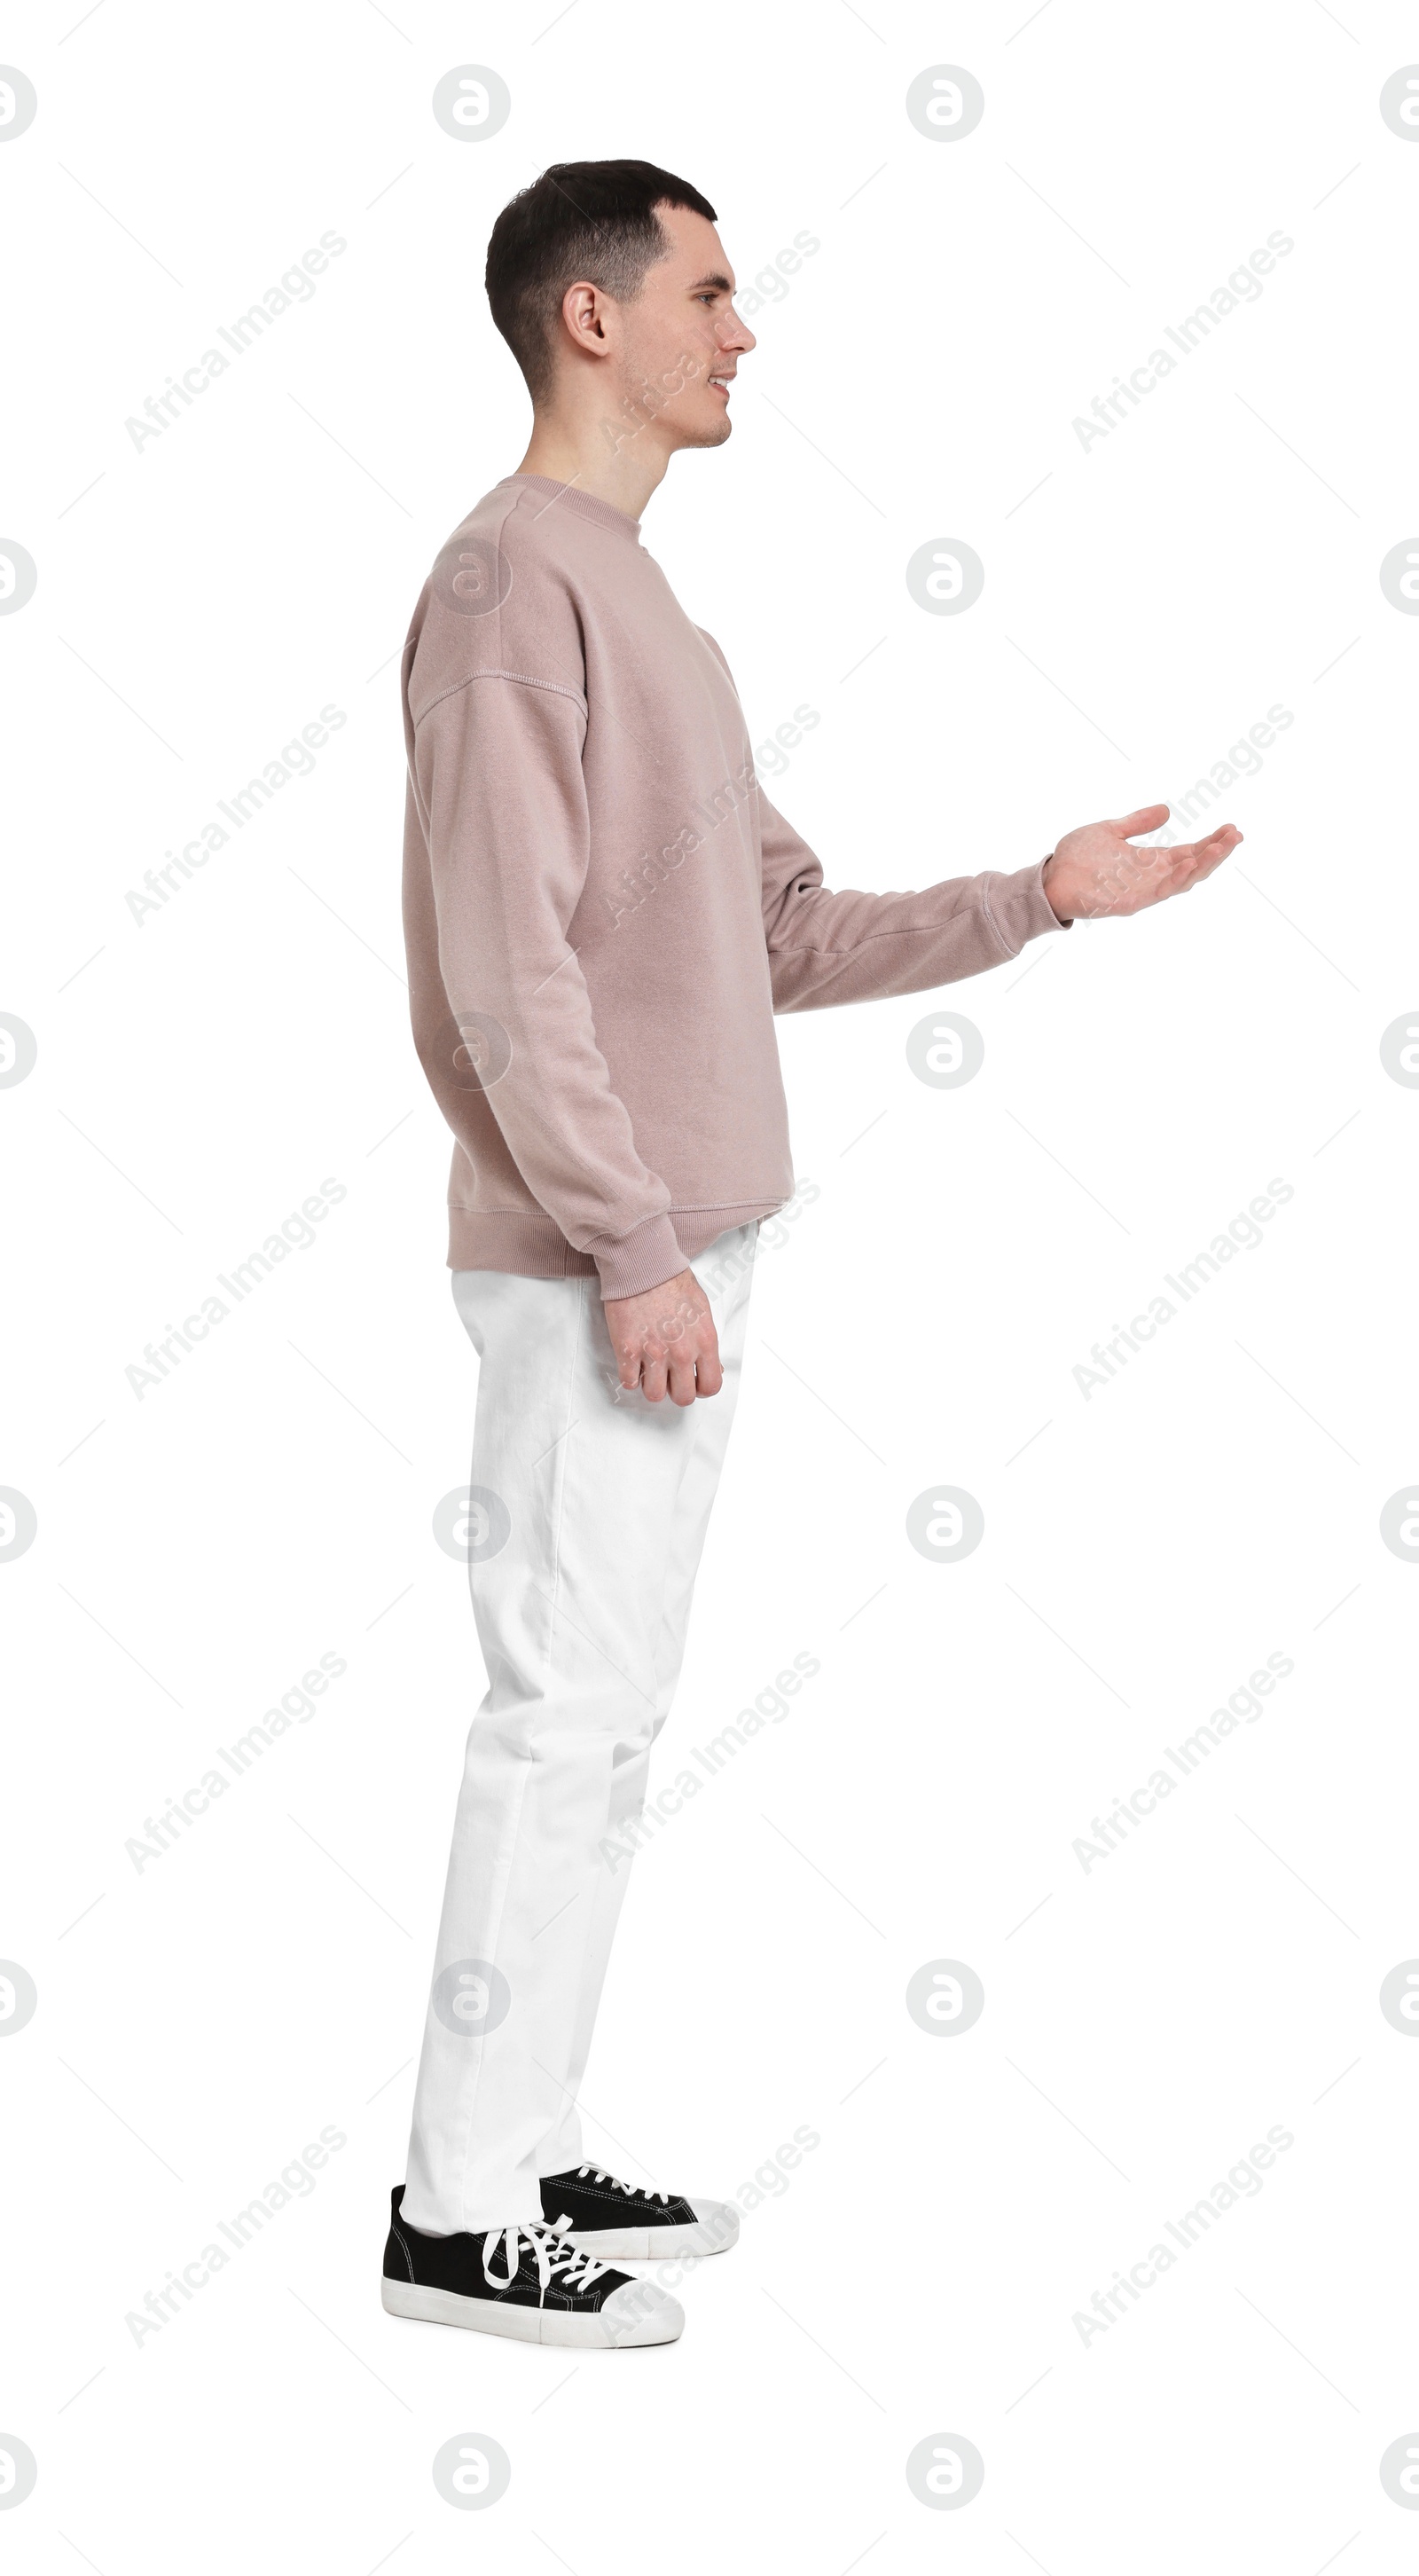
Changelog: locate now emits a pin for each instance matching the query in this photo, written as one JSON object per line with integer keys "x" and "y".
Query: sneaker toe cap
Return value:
{"x": 640, "y": 2313}
{"x": 720, "y": 2221}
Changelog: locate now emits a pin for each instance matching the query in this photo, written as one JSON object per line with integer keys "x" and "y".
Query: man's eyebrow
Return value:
{"x": 715, "y": 278}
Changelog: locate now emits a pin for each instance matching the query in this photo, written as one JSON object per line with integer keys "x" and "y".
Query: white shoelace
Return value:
{"x": 631, "y": 2187}
{"x": 551, "y": 2253}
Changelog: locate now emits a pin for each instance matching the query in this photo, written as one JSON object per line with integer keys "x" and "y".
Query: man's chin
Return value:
{"x": 709, "y": 433}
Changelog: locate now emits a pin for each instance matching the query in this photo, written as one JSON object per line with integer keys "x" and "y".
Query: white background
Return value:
{"x": 1146, "y": 600}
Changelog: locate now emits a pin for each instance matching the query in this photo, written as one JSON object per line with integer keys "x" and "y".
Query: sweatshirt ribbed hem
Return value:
{"x": 534, "y": 1247}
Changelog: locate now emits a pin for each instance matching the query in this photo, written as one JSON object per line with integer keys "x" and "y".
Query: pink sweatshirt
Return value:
{"x": 603, "y": 911}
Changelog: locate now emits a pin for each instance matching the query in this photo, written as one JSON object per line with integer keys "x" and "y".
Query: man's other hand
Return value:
{"x": 1094, "y": 872}
{"x": 665, "y": 1342}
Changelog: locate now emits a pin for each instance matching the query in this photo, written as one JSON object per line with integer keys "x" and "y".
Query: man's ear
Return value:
{"x": 584, "y": 317}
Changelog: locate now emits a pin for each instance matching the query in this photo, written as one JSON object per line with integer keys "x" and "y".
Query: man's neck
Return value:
{"x": 581, "y": 454}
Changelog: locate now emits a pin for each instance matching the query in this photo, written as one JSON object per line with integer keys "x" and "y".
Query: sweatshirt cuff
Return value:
{"x": 642, "y": 1259}
{"x": 1020, "y": 908}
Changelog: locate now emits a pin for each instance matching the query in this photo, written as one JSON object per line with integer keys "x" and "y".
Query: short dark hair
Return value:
{"x": 592, "y": 219}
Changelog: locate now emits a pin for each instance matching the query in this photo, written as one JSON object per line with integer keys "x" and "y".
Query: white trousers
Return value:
{"x": 586, "y": 1524}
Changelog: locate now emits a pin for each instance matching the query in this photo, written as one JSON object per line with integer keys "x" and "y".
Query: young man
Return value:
{"x": 603, "y": 912}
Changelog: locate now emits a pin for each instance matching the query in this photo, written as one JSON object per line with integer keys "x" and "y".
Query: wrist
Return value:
{"x": 1054, "y": 896}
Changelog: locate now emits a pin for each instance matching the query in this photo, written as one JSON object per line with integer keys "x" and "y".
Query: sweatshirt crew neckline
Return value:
{"x": 584, "y": 504}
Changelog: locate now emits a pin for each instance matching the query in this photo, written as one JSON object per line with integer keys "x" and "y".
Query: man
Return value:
{"x": 602, "y": 913}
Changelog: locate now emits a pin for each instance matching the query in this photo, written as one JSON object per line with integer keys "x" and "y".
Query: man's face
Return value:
{"x": 679, "y": 343}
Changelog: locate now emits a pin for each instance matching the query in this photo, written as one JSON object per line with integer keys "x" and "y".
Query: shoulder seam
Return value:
{"x": 524, "y": 679}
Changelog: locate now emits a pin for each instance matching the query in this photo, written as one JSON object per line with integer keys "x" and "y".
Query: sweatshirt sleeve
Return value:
{"x": 826, "y": 948}
{"x": 497, "y": 782}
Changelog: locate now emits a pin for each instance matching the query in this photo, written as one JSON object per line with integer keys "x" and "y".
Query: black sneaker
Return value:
{"x": 619, "y": 2219}
{"x": 526, "y": 2282}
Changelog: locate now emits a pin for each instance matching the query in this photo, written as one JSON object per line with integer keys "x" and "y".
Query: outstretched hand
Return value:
{"x": 1096, "y": 872}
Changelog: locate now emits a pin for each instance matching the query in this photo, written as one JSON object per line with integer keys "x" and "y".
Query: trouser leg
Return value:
{"x": 702, "y": 1460}
{"x": 587, "y": 1523}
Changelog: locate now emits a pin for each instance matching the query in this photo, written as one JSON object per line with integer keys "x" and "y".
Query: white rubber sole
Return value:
{"x": 637, "y": 2314}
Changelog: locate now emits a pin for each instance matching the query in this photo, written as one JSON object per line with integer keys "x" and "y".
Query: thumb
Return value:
{"x": 1147, "y": 819}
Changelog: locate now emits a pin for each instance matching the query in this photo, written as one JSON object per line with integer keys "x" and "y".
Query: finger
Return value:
{"x": 1148, "y": 818}
{"x": 709, "y": 1372}
{"x": 628, "y": 1369}
{"x": 1199, "y": 858}
{"x": 653, "y": 1377}
{"x": 1212, "y": 853}
{"x": 1224, "y": 832}
{"x": 682, "y": 1379}
{"x": 1184, "y": 879}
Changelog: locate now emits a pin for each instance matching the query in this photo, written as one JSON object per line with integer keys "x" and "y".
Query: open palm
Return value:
{"x": 1095, "y": 871}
